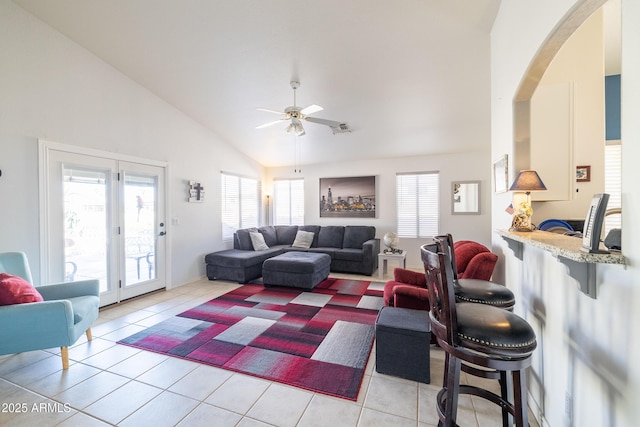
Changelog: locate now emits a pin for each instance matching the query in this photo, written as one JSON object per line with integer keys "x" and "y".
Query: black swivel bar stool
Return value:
{"x": 478, "y": 339}
{"x": 474, "y": 290}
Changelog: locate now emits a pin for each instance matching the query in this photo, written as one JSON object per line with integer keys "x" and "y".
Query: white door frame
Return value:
{"x": 44, "y": 149}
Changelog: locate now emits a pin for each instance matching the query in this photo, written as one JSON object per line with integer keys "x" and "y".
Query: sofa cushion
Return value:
{"x": 286, "y": 234}
{"x": 269, "y": 233}
{"x": 329, "y": 251}
{"x": 16, "y": 290}
{"x": 303, "y": 239}
{"x": 297, "y": 262}
{"x": 257, "y": 240}
{"x": 349, "y": 254}
{"x": 235, "y": 258}
{"x": 330, "y": 236}
{"x": 243, "y": 239}
{"x": 356, "y": 235}
{"x": 315, "y": 229}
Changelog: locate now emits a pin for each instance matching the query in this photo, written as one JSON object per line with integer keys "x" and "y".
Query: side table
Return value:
{"x": 383, "y": 258}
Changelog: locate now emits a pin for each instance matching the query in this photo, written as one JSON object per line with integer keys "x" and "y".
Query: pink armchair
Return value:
{"x": 409, "y": 289}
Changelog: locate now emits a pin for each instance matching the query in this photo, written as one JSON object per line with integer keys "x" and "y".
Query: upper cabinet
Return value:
{"x": 552, "y": 140}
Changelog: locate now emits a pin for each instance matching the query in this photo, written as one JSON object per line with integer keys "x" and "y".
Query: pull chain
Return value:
{"x": 296, "y": 155}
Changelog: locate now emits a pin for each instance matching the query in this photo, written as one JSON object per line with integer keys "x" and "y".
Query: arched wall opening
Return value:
{"x": 573, "y": 58}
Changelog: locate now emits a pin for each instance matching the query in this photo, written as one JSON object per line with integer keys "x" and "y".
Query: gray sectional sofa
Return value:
{"x": 352, "y": 248}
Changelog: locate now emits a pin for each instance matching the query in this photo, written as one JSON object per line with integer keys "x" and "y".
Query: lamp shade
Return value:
{"x": 527, "y": 181}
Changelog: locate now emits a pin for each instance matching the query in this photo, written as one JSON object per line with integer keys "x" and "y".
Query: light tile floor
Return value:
{"x": 110, "y": 384}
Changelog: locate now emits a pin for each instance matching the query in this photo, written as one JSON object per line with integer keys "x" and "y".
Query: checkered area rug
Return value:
{"x": 318, "y": 340}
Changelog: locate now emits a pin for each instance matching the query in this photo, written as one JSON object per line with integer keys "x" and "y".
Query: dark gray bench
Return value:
{"x": 296, "y": 269}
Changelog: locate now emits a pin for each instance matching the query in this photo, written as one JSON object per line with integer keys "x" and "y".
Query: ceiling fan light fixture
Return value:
{"x": 295, "y": 127}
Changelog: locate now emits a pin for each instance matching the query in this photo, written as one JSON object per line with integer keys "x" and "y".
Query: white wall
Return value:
{"x": 54, "y": 89}
{"x": 587, "y": 348}
{"x": 452, "y": 167}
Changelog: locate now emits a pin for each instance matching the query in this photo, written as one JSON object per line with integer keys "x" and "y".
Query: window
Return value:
{"x": 288, "y": 202}
{"x": 417, "y": 200}
{"x": 240, "y": 203}
{"x": 613, "y": 183}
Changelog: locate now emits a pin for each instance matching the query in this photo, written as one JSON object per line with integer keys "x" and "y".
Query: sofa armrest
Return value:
{"x": 61, "y": 291}
{"x": 409, "y": 296}
{"x": 371, "y": 248}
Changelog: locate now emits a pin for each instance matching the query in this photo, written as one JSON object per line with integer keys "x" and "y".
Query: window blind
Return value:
{"x": 417, "y": 204}
{"x": 240, "y": 203}
{"x": 288, "y": 202}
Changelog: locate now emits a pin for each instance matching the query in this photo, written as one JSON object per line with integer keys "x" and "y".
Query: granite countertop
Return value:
{"x": 561, "y": 245}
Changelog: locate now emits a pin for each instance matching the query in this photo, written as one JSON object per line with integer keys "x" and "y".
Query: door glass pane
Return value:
{"x": 85, "y": 225}
{"x": 139, "y": 227}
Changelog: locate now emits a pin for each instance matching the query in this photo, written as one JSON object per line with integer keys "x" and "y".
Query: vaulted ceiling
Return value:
{"x": 410, "y": 77}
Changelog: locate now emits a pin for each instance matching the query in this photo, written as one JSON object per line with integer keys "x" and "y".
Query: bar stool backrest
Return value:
{"x": 442, "y": 299}
{"x": 445, "y": 245}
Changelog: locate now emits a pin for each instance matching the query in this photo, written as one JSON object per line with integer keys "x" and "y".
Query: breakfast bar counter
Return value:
{"x": 567, "y": 249}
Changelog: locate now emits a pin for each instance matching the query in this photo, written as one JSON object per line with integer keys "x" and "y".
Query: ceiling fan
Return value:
{"x": 295, "y": 114}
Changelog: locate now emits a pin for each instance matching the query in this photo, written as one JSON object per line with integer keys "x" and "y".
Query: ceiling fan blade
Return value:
{"x": 330, "y": 123}
{"x": 311, "y": 109}
{"x": 270, "y": 123}
{"x": 269, "y": 111}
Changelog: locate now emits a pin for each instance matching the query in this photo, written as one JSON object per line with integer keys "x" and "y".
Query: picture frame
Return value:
{"x": 583, "y": 173}
{"x": 465, "y": 198}
{"x": 348, "y": 197}
{"x": 501, "y": 174}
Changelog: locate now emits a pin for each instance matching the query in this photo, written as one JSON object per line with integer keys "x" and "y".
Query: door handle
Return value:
{"x": 162, "y": 233}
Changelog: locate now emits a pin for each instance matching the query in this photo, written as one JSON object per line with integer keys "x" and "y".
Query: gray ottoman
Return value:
{"x": 296, "y": 269}
{"x": 403, "y": 338}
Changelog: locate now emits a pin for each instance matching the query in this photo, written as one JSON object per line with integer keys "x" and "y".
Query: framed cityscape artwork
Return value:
{"x": 348, "y": 197}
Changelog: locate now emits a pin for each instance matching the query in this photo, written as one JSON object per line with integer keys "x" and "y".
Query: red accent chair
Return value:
{"x": 473, "y": 260}
{"x": 408, "y": 289}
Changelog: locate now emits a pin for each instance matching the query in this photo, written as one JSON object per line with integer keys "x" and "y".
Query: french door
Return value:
{"x": 105, "y": 220}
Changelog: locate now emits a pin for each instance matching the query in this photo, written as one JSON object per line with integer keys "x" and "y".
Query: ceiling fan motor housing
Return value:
{"x": 293, "y": 111}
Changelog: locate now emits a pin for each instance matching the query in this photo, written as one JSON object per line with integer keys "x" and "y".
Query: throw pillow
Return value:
{"x": 16, "y": 290}
{"x": 303, "y": 239}
{"x": 257, "y": 240}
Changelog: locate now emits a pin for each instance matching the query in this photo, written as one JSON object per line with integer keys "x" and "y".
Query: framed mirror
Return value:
{"x": 465, "y": 198}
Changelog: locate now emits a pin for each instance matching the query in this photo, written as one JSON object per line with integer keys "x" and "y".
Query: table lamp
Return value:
{"x": 526, "y": 182}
